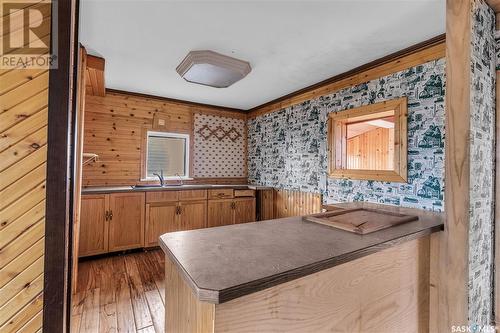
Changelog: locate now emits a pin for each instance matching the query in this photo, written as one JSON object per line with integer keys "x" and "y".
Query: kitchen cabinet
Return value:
{"x": 220, "y": 212}
{"x": 265, "y": 204}
{"x": 94, "y": 225}
{"x": 160, "y": 218}
{"x": 121, "y": 221}
{"x": 192, "y": 215}
{"x": 244, "y": 210}
{"x": 111, "y": 222}
{"x": 126, "y": 221}
{"x": 231, "y": 211}
{"x": 171, "y": 211}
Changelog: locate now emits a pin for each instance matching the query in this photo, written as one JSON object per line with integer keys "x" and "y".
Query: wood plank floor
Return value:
{"x": 123, "y": 293}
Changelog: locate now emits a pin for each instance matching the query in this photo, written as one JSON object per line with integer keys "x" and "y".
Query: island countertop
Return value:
{"x": 228, "y": 262}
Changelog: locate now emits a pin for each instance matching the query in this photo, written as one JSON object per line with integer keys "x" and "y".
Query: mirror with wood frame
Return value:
{"x": 369, "y": 142}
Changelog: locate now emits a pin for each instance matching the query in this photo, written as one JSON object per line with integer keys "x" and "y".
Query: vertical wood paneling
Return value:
{"x": 373, "y": 150}
{"x": 295, "y": 203}
{"x": 23, "y": 154}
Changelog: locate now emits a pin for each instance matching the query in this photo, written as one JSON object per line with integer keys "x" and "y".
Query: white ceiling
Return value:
{"x": 290, "y": 44}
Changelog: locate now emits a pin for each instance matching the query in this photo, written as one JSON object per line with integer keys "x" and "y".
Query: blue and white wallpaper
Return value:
{"x": 482, "y": 166}
{"x": 288, "y": 148}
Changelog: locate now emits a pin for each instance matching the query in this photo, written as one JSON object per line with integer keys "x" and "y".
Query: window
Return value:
{"x": 167, "y": 152}
{"x": 369, "y": 142}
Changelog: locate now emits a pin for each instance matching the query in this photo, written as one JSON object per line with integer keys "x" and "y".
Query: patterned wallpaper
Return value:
{"x": 482, "y": 149}
{"x": 497, "y": 48}
{"x": 219, "y": 146}
{"x": 287, "y": 148}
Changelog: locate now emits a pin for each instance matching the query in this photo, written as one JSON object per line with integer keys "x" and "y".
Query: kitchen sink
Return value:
{"x": 146, "y": 186}
{"x": 140, "y": 186}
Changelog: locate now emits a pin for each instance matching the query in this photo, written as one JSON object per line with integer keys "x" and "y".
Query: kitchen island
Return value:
{"x": 290, "y": 275}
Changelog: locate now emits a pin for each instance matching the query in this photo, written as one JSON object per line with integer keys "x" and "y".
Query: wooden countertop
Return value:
{"x": 228, "y": 262}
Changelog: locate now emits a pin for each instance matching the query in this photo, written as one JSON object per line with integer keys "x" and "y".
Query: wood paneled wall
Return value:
{"x": 114, "y": 127}
{"x": 23, "y": 153}
{"x": 295, "y": 203}
{"x": 373, "y": 150}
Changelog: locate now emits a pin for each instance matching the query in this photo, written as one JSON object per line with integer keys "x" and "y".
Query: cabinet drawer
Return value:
{"x": 162, "y": 196}
{"x": 193, "y": 195}
{"x": 244, "y": 193}
{"x": 222, "y": 193}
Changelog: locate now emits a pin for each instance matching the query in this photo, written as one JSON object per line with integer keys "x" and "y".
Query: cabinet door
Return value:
{"x": 193, "y": 214}
{"x": 265, "y": 205}
{"x": 161, "y": 218}
{"x": 93, "y": 225}
{"x": 220, "y": 212}
{"x": 244, "y": 210}
{"x": 126, "y": 225}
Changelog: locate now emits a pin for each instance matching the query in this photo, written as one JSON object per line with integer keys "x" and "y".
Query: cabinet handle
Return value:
{"x": 233, "y": 205}
{"x": 106, "y": 215}
{"x": 110, "y": 215}
{"x": 180, "y": 209}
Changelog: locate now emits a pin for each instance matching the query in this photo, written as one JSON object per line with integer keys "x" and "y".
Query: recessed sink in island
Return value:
{"x": 291, "y": 275}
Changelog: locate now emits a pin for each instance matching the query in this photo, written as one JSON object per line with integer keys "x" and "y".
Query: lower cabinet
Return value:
{"x": 111, "y": 222}
{"x": 123, "y": 221}
{"x": 94, "y": 225}
{"x": 126, "y": 221}
{"x": 230, "y": 211}
{"x": 192, "y": 215}
{"x": 244, "y": 210}
{"x": 160, "y": 218}
{"x": 220, "y": 212}
{"x": 174, "y": 211}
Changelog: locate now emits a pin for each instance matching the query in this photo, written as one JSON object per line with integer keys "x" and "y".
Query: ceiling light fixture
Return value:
{"x": 212, "y": 69}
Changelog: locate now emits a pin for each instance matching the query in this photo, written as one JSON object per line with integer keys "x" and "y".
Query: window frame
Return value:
{"x": 187, "y": 157}
{"x": 337, "y": 142}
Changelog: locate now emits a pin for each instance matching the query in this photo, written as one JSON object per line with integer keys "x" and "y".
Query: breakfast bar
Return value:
{"x": 292, "y": 275}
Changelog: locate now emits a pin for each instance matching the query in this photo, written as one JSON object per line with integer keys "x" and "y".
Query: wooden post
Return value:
{"x": 454, "y": 243}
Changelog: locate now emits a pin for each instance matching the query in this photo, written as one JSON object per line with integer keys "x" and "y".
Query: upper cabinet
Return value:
{"x": 369, "y": 142}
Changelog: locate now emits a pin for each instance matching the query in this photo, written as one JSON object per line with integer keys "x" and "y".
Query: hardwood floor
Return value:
{"x": 123, "y": 293}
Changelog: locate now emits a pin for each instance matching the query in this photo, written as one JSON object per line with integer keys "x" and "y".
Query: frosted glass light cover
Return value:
{"x": 212, "y": 69}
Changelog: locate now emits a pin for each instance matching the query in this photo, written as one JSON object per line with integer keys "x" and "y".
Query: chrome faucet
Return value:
{"x": 160, "y": 177}
{"x": 180, "y": 178}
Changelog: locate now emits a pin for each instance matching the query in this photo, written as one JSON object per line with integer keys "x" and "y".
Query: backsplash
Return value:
{"x": 287, "y": 148}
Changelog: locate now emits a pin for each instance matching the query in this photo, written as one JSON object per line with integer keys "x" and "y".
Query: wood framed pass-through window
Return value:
{"x": 369, "y": 142}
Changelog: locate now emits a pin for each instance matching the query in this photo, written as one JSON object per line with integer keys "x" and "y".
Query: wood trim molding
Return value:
{"x": 431, "y": 49}
{"x": 178, "y": 101}
{"x": 337, "y": 145}
{"x": 95, "y": 82}
{"x": 59, "y": 190}
{"x": 454, "y": 249}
